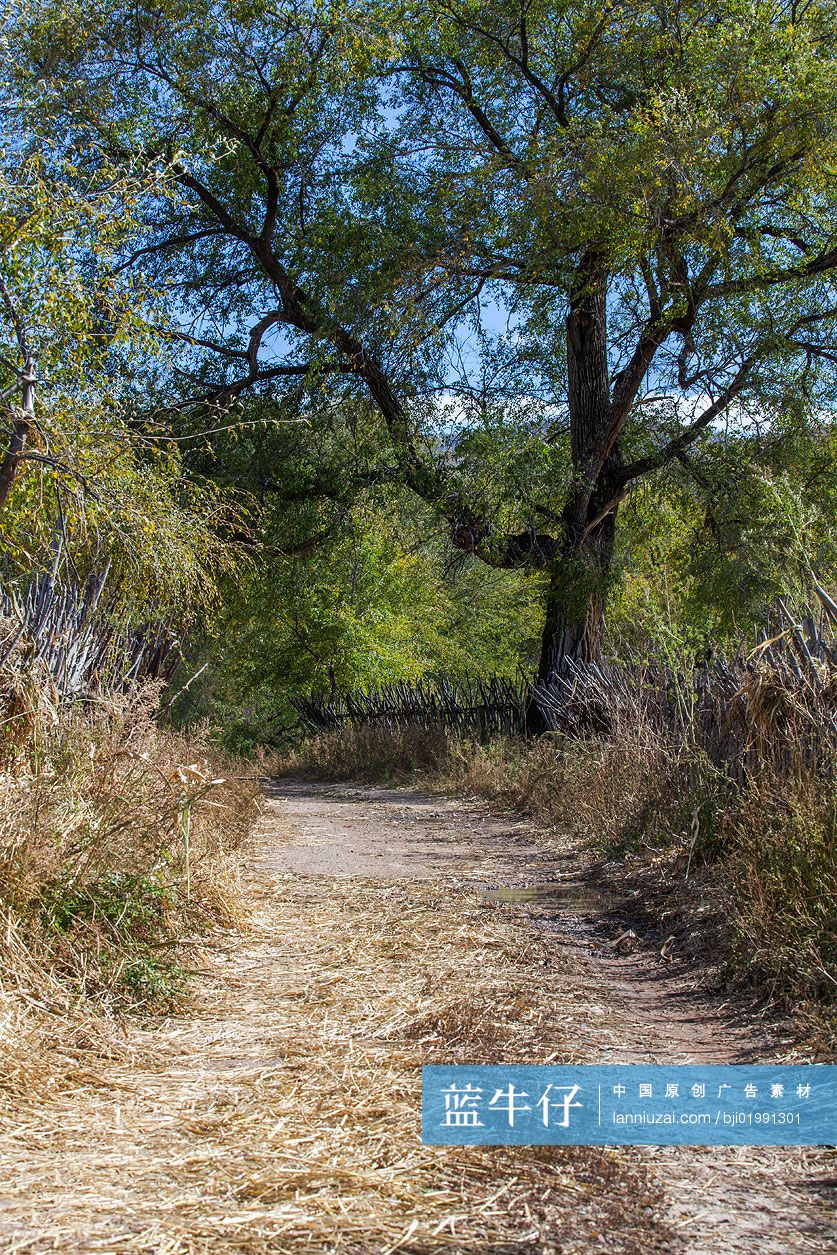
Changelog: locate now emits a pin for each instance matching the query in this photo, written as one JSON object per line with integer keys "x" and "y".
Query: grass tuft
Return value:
{"x": 98, "y": 884}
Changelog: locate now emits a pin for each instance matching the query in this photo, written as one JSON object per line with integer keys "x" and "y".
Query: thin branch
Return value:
{"x": 687, "y": 437}
{"x": 177, "y": 241}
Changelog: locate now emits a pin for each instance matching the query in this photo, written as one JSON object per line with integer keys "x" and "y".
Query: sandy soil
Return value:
{"x": 282, "y": 1112}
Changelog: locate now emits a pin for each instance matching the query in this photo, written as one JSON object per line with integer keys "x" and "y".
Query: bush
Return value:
{"x": 115, "y": 840}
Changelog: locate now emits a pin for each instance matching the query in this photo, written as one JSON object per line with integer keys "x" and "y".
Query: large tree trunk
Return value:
{"x": 574, "y": 620}
{"x": 574, "y": 623}
{"x": 588, "y": 385}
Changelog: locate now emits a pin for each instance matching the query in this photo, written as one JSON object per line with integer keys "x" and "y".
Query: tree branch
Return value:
{"x": 672, "y": 450}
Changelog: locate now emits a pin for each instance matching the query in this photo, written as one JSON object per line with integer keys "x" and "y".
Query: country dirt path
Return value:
{"x": 281, "y": 1113}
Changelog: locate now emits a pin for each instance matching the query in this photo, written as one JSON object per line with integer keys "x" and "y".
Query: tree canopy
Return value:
{"x": 515, "y": 259}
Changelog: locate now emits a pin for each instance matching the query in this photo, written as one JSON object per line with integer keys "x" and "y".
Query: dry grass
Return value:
{"x": 746, "y": 873}
{"x": 113, "y": 839}
{"x": 99, "y": 898}
{"x": 283, "y": 1114}
{"x": 782, "y": 860}
{"x": 367, "y": 751}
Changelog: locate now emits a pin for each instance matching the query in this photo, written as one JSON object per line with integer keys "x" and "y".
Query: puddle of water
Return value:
{"x": 570, "y": 897}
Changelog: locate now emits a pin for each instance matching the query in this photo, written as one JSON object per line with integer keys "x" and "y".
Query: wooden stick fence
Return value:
{"x": 78, "y": 639}
{"x": 468, "y": 707}
{"x": 776, "y": 700}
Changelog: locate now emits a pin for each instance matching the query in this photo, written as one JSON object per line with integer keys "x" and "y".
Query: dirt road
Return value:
{"x": 390, "y": 929}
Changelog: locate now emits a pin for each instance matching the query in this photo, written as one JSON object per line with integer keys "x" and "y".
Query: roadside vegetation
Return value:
{"x": 738, "y": 874}
{"x": 351, "y": 345}
{"x": 97, "y": 885}
{"x": 118, "y": 855}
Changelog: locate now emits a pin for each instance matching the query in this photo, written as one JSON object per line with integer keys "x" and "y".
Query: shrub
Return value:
{"x": 115, "y": 839}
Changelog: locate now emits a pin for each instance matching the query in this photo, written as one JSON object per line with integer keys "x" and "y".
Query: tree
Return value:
{"x": 655, "y": 178}
{"x": 81, "y": 486}
{"x": 381, "y": 598}
{"x": 703, "y": 559}
{"x": 647, "y": 187}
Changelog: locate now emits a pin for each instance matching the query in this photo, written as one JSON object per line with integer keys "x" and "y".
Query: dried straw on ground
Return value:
{"x": 282, "y": 1114}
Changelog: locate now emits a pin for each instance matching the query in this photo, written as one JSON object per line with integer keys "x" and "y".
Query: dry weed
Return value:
{"x": 117, "y": 845}
{"x": 750, "y": 865}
